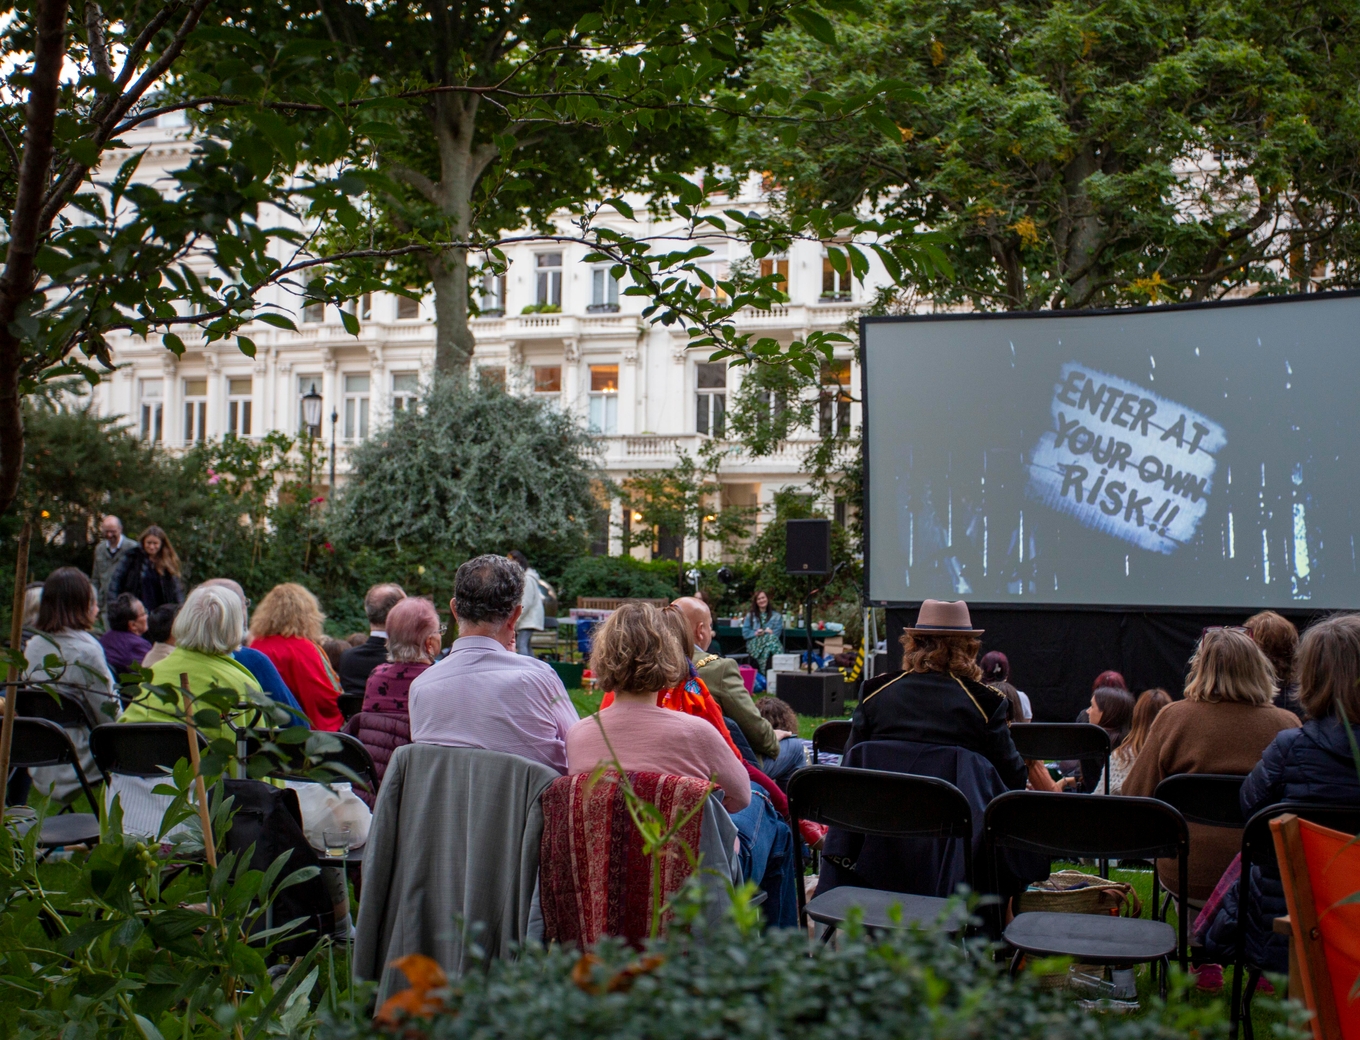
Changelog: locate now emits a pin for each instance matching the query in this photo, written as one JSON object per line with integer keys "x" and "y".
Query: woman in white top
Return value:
{"x": 531, "y": 620}
{"x": 63, "y": 652}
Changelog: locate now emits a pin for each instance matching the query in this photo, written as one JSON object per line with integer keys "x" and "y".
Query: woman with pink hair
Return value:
{"x": 384, "y": 723}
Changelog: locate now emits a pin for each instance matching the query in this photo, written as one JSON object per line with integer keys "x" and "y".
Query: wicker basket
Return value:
{"x": 1072, "y": 892}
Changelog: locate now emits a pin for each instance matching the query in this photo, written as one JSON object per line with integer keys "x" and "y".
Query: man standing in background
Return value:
{"x": 531, "y": 620}
{"x": 108, "y": 555}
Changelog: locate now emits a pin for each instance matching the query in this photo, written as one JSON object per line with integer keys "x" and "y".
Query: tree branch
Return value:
{"x": 416, "y": 180}
{"x": 94, "y": 40}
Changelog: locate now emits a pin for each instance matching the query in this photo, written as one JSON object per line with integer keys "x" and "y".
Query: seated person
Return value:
{"x": 358, "y": 661}
{"x": 1310, "y": 764}
{"x": 158, "y": 628}
{"x": 125, "y": 642}
{"x": 777, "y": 755}
{"x": 635, "y": 657}
{"x": 483, "y": 694}
{"x": 384, "y": 722}
{"x": 266, "y": 675}
{"x": 938, "y": 697}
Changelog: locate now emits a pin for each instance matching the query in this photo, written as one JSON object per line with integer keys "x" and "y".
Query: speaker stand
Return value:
{"x": 807, "y": 622}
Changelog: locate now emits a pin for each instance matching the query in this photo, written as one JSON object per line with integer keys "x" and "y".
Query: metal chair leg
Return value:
{"x": 1235, "y": 1008}
{"x": 1015, "y": 963}
{"x": 1163, "y": 976}
{"x": 1253, "y": 977}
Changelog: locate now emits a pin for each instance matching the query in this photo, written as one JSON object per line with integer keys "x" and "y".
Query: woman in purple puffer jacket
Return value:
{"x": 384, "y": 723}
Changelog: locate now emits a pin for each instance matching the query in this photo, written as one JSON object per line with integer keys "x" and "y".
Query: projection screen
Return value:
{"x": 1200, "y": 456}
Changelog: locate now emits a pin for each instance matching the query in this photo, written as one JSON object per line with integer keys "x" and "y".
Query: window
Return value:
{"x": 356, "y": 408}
{"x": 307, "y": 385}
{"x": 492, "y": 301}
{"x": 839, "y": 511}
{"x": 195, "y": 411}
{"x": 404, "y": 387}
{"x": 492, "y": 375}
{"x": 776, "y": 265}
{"x": 716, "y": 267}
{"x": 362, "y": 308}
{"x": 835, "y": 399}
{"x": 711, "y": 410}
{"x": 238, "y": 406}
{"x": 313, "y": 313}
{"x": 604, "y": 398}
{"x": 835, "y": 285}
{"x": 152, "y": 395}
{"x": 549, "y": 266}
{"x": 604, "y": 292}
{"x": 407, "y": 308}
{"x": 547, "y": 379}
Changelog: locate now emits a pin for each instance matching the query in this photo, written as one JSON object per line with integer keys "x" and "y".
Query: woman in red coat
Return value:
{"x": 286, "y": 628}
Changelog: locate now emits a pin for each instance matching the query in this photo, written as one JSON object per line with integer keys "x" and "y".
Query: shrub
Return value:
{"x": 615, "y": 576}
{"x": 910, "y": 985}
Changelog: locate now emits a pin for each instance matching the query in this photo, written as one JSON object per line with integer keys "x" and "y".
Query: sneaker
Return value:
{"x": 1210, "y": 978}
{"x": 1125, "y": 984}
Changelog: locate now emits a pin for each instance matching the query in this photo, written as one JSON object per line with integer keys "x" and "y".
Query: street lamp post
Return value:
{"x": 311, "y": 417}
{"x": 335, "y": 418}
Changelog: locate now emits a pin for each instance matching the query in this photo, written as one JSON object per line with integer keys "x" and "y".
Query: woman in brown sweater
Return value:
{"x": 1224, "y": 723}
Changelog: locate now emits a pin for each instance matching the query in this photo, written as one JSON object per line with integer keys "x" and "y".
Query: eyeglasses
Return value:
{"x": 1223, "y": 628}
{"x": 443, "y": 628}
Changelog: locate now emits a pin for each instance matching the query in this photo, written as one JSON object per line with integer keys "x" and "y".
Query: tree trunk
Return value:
{"x": 453, "y": 336}
{"x": 461, "y": 163}
{"x": 16, "y": 284}
{"x": 1084, "y": 234}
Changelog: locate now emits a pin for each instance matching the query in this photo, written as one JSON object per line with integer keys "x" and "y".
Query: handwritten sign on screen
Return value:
{"x": 1124, "y": 460}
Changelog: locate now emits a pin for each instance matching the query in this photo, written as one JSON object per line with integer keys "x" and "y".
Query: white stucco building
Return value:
{"x": 641, "y": 392}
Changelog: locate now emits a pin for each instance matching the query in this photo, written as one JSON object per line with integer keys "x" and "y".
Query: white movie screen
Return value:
{"x": 1200, "y": 457}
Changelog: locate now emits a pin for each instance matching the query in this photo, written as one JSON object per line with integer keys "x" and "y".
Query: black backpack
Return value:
{"x": 269, "y": 817}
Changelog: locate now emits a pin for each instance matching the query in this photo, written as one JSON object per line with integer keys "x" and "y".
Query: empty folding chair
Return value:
{"x": 1258, "y": 850}
{"x": 1064, "y": 825}
{"x": 829, "y": 738}
{"x": 890, "y": 805}
{"x": 41, "y": 742}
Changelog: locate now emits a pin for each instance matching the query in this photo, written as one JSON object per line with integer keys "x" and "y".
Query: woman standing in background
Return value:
{"x": 151, "y": 572}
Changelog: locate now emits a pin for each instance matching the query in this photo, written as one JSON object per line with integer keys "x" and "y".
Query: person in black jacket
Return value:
{"x": 357, "y": 662}
{"x": 938, "y": 697}
{"x": 1315, "y": 763}
{"x": 150, "y": 572}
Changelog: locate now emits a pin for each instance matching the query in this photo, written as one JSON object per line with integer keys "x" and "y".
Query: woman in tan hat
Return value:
{"x": 938, "y": 697}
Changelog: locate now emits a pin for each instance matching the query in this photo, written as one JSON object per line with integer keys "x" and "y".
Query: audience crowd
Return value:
{"x": 1258, "y": 702}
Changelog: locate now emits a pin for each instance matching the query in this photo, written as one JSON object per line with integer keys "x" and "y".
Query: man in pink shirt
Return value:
{"x": 483, "y": 694}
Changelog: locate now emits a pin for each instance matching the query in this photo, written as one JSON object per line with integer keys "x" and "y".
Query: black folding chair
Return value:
{"x": 1051, "y": 741}
{"x": 64, "y": 706}
{"x": 351, "y": 754}
{"x": 1258, "y": 849}
{"x": 147, "y": 749}
{"x": 890, "y": 805}
{"x": 1210, "y": 799}
{"x": 1068, "y": 825}
{"x": 350, "y": 704}
{"x": 41, "y": 742}
{"x": 830, "y": 737}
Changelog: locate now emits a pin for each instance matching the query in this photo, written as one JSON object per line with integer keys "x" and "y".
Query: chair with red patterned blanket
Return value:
{"x": 596, "y": 873}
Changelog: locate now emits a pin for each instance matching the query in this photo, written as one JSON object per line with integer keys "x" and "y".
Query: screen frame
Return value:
{"x": 866, "y": 320}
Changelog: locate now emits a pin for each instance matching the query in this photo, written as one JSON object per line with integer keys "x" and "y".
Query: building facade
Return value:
{"x": 553, "y": 326}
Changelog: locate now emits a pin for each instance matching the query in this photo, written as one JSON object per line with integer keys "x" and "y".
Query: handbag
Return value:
{"x": 1072, "y": 892}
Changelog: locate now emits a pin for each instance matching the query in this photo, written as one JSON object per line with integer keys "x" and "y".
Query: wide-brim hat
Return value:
{"x": 938, "y": 617}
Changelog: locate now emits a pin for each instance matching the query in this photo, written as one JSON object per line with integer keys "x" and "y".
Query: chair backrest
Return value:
{"x": 350, "y": 704}
{"x": 1213, "y": 799}
{"x": 351, "y": 754}
{"x": 873, "y": 801}
{"x": 1050, "y": 741}
{"x": 830, "y": 737}
{"x": 1258, "y": 846}
{"x": 141, "y": 748}
{"x": 51, "y": 702}
{"x": 1085, "y": 825}
{"x": 41, "y": 742}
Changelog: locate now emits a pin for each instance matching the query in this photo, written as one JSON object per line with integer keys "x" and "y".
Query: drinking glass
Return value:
{"x": 337, "y": 842}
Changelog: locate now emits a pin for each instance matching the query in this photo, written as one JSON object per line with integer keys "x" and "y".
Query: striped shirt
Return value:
{"x": 485, "y": 696}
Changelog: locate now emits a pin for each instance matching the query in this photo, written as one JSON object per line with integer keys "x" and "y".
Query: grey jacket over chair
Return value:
{"x": 453, "y": 848}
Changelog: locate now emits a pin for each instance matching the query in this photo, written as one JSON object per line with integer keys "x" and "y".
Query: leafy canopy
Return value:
{"x": 1086, "y": 154}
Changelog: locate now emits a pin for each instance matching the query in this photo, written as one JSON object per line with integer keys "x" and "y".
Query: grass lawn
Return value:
{"x": 588, "y": 702}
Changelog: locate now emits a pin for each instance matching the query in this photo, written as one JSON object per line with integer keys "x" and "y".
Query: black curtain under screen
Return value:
{"x": 1055, "y": 655}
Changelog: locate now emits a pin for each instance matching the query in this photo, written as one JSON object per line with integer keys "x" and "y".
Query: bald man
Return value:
{"x": 778, "y": 753}
{"x": 108, "y": 555}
